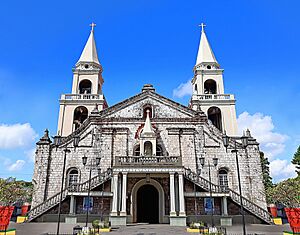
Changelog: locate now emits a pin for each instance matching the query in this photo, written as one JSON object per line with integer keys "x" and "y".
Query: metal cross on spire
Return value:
{"x": 93, "y": 26}
{"x": 202, "y": 25}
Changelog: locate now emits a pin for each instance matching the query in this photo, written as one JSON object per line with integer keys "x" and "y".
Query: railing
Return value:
{"x": 148, "y": 160}
{"x": 54, "y": 200}
{"x": 82, "y": 97}
{"x": 214, "y": 97}
{"x": 250, "y": 206}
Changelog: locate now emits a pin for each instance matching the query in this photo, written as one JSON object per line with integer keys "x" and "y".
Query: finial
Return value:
{"x": 45, "y": 139}
{"x": 202, "y": 25}
{"x": 95, "y": 110}
{"x": 248, "y": 133}
{"x": 92, "y": 26}
{"x": 46, "y": 135}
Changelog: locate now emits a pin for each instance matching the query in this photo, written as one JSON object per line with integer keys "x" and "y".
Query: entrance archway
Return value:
{"x": 147, "y": 204}
{"x": 161, "y": 200}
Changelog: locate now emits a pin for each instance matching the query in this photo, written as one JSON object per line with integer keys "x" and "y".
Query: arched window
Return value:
{"x": 137, "y": 151}
{"x": 80, "y": 114}
{"x": 85, "y": 87}
{"x": 73, "y": 177}
{"x": 210, "y": 87}
{"x": 196, "y": 88}
{"x": 215, "y": 116}
{"x": 223, "y": 178}
{"x": 145, "y": 108}
{"x": 148, "y": 148}
{"x": 159, "y": 151}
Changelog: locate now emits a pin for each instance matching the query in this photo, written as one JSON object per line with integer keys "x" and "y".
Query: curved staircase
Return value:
{"x": 54, "y": 200}
{"x": 248, "y": 205}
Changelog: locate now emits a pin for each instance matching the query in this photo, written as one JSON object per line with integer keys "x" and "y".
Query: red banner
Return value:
{"x": 293, "y": 215}
{"x": 5, "y": 215}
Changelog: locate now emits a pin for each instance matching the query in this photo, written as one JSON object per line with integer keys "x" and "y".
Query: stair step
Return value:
{"x": 247, "y": 204}
{"x": 55, "y": 199}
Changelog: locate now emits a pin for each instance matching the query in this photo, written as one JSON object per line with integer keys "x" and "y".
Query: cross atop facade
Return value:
{"x": 202, "y": 25}
{"x": 93, "y": 26}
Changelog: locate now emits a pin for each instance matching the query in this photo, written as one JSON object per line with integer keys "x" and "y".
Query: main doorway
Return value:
{"x": 147, "y": 204}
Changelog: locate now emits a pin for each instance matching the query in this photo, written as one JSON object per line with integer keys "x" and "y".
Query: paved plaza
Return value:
{"x": 145, "y": 229}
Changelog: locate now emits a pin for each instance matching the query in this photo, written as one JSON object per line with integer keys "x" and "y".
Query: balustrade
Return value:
{"x": 250, "y": 206}
{"x": 214, "y": 97}
{"x": 148, "y": 160}
{"x": 54, "y": 200}
{"x": 82, "y": 97}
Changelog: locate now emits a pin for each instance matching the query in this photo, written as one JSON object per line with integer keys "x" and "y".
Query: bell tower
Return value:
{"x": 208, "y": 89}
{"x": 86, "y": 90}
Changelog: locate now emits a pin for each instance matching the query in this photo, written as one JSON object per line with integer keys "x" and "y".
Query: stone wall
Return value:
{"x": 179, "y": 131}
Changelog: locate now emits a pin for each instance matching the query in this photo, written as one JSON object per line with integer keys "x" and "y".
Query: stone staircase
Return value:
{"x": 54, "y": 200}
{"x": 248, "y": 205}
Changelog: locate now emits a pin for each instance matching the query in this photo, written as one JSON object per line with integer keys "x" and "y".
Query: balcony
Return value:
{"x": 82, "y": 97}
{"x": 213, "y": 97}
{"x": 148, "y": 161}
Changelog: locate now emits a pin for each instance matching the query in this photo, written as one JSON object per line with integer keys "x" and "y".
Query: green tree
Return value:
{"x": 265, "y": 165}
{"x": 296, "y": 160}
{"x": 12, "y": 190}
{"x": 286, "y": 192}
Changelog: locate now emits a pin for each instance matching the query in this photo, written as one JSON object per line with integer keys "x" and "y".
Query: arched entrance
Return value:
{"x": 147, "y": 204}
{"x": 161, "y": 218}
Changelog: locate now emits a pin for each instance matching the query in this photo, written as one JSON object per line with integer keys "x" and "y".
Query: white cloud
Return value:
{"x": 30, "y": 154}
{"x": 5, "y": 161}
{"x": 262, "y": 128}
{"x": 18, "y": 165}
{"x": 281, "y": 169}
{"x": 183, "y": 89}
{"x": 16, "y": 135}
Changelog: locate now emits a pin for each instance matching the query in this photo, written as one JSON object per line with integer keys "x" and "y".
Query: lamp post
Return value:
{"x": 57, "y": 142}
{"x": 96, "y": 164}
{"x": 235, "y": 150}
{"x": 215, "y": 163}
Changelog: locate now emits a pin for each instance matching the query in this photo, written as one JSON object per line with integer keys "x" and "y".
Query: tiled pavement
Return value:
{"x": 159, "y": 229}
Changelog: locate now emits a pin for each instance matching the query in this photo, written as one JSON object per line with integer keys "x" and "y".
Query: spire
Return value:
{"x": 205, "y": 53}
{"x": 148, "y": 129}
{"x": 89, "y": 53}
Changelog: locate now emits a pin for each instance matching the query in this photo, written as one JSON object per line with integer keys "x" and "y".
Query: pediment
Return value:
{"x": 162, "y": 107}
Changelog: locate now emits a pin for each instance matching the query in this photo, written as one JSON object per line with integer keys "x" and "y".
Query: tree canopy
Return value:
{"x": 296, "y": 160}
{"x": 265, "y": 165}
{"x": 286, "y": 192}
{"x": 13, "y": 191}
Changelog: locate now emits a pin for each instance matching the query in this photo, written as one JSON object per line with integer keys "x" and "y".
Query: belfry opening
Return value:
{"x": 215, "y": 116}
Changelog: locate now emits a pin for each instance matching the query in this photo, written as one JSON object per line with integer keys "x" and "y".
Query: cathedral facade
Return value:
{"x": 147, "y": 159}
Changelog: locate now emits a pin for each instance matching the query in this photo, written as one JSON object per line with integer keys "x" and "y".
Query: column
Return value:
{"x": 114, "y": 211}
{"x": 72, "y": 205}
{"x": 172, "y": 195}
{"x": 181, "y": 196}
{"x": 124, "y": 190}
{"x": 225, "y": 211}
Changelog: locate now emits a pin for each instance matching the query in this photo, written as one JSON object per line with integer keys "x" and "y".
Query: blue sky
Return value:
{"x": 256, "y": 42}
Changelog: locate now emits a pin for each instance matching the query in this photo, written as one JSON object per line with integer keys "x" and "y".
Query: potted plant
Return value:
{"x": 197, "y": 227}
{"x": 100, "y": 226}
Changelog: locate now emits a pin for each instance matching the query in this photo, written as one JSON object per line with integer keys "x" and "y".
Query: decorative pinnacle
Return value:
{"x": 93, "y": 25}
{"x": 202, "y": 25}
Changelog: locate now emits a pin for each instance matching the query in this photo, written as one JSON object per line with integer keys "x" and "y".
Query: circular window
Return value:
{"x": 208, "y": 67}
{"x": 86, "y": 66}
